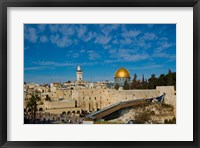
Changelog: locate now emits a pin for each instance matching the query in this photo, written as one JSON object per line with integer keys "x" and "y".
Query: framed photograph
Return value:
{"x": 99, "y": 73}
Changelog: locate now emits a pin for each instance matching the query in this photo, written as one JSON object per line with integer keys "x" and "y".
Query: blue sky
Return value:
{"x": 53, "y": 51}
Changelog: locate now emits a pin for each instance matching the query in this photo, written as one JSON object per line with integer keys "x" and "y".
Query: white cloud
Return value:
{"x": 73, "y": 55}
{"x": 112, "y": 61}
{"x": 112, "y": 51}
{"x": 163, "y": 51}
{"x": 34, "y": 68}
{"x": 150, "y": 36}
{"x": 89, "y": 36}
{"x": 126, "y": 41}
{"x": 43, "y": 39}
{"x": 133, "y": 57}
{"x": 41, "y": 27}
{"x": 93, "y": 55}
{"x": 102, "y": 39}
{"x": 30, "y": 34}
{"x": 171, "y": 57}
{"x": 61, "y": 41}
{"x": 163, "y": 46}
{"x": 107, "y": 47}
{"x": 67, "y": 30}
{"x": 129, "y": 55}
{"x": 52, "y": 64}
{"x": 115, "y": 41}
{"x": 81, "y": 30}
{"x": 130, "y": 33}
{"x": 82, "y": 51}
{"x": 142, "y": 41}
{"x": 147, "y": 66}
{"x": 53, "y": 28}
{"x": 163, "y": 39}
{"x": 107, "y": 29}
{"x": 86, "y": 36}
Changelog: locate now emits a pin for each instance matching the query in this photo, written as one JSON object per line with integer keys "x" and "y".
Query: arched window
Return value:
{"x": 68, "y": 113}
{"x": 75, "y": 103}
{"x": 89, "y": 108}
{"x": 64, "y": 113}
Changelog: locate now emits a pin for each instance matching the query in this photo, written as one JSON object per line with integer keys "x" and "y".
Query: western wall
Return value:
{"x": 94, "y": 99}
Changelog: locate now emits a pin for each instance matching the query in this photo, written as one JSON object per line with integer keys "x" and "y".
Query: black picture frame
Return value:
{"x": 4, "y": 4}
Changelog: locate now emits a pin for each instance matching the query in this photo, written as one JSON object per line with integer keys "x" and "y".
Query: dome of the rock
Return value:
{"x": 122, "y": 73}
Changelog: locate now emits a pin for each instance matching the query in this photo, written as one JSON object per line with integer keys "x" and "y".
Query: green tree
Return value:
{"x": 169, "y": 77}
{"x": 126, "y": 85}
{"x": 117, "y": 86}
{"x": 152, "y": 82}
{"x": 144, "y": 83}
{"x": 32, "y": 105}
{"x": 161, "y": 80}
{"x": 135, "y": 83}
{"x": 174, "y": 79}
{"x": 142, "y": 78}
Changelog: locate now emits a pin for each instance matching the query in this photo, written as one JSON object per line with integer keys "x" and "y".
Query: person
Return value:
{"x": 154, "y": 100}
{"x": 44, "y": 120}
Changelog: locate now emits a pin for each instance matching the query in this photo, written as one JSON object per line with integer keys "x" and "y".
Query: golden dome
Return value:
{"x": 122, "y": 73}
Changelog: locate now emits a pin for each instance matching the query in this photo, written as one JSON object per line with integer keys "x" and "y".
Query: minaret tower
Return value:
{"x": 79, "y": 73}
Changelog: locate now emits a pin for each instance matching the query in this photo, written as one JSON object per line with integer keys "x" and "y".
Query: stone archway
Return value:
{"x": 64, "y": 113}
{"x": 68, "y": 113}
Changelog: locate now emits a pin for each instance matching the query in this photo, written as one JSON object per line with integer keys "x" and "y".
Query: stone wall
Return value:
{"x": 59, "y": 104}
{"x": 93, "y": 99}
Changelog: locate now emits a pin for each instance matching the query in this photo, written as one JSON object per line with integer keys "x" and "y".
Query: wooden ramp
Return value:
{"x": 120, "y": 105}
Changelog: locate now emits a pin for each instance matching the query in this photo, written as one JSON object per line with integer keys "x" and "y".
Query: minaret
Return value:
{"x": 79, "y": 73}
